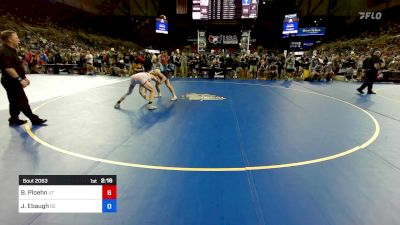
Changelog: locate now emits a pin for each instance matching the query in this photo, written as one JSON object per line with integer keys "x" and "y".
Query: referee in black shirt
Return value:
{"x": 14, "y": 80}
{"x": 373, "y": 66}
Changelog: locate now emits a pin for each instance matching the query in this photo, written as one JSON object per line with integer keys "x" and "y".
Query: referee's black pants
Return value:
{"x": 18, "y": 101}
{"x": 369, "y": 80}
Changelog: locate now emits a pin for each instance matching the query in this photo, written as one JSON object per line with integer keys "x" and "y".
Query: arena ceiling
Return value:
{"x": 304, "y": 7}
{"x": 116, "y": 7}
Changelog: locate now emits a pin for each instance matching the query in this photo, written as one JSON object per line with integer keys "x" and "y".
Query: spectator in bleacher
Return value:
{"x": 82, "y": 62}
{"x": 119, "y": 69}
{"x": 272, "y": 71}
{"x": 68, "y": 56}
{"x": 184, "y": 65}
{"x": 214, "y": 64}
{"x": 136, "y": 67}
{"x": 178, "y": 64}
{"x": 132, "y": 57}
{"x": 36, "y": 63}
{"x": 147, "y": 62}
{"x": 222, "y": 61}
{"x": 28, "y": 58}
{"x": 43, "y": 57}
{"x": 112, "y": 57}
{"x": 328, "y": 71}
{"x": 253, "y": 61}
{"x": 290, "y": 66}
{"x": 203, "y": 61}
{"x": 262, "y": 72}
{"x": 97, "y": 59}
{"x": 140, "y": 58}
{"x": 171, "y": 58}
{"x": 163, "y": 59}
{"x": 50, "y": 56}
{"x": 350, "y": 66}
{"x": 394, "y": 65}
{"x": 57, "y": 57}
{"x": 76, "y": 56}
{"x": 89, "y": 63}
{"x": 195, "y": 65}
{"x": 336, "y": 64}
{"x": 104, "y": 61}
{"x": 242, "y": 67}
{"x": 281, "y": 65}
{"x": 316, "y": 70}
{"x": 126, "y": 58}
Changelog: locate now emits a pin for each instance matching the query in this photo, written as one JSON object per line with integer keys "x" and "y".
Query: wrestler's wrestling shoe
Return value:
{"x": 117, "y": 106}
{"x": 151, "y": 106}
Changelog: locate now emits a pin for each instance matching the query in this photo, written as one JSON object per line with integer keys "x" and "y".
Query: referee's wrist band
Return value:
{"x": 19, "y": 78}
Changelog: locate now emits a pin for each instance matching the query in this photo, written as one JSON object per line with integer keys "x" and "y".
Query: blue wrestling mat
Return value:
{"x": 227, "y": 152}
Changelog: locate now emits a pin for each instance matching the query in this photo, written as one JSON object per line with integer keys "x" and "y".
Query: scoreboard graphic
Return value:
{"x": 67, "y": 193}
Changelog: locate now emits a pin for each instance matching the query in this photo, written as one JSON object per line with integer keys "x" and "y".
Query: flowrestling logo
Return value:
{"x": 370, "y": 15}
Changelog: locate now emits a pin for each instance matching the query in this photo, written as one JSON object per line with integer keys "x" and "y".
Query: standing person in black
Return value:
{"x": 373, "y": 65}
{"x": 14, "y": 80}
{"x": 147, "y": 62}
